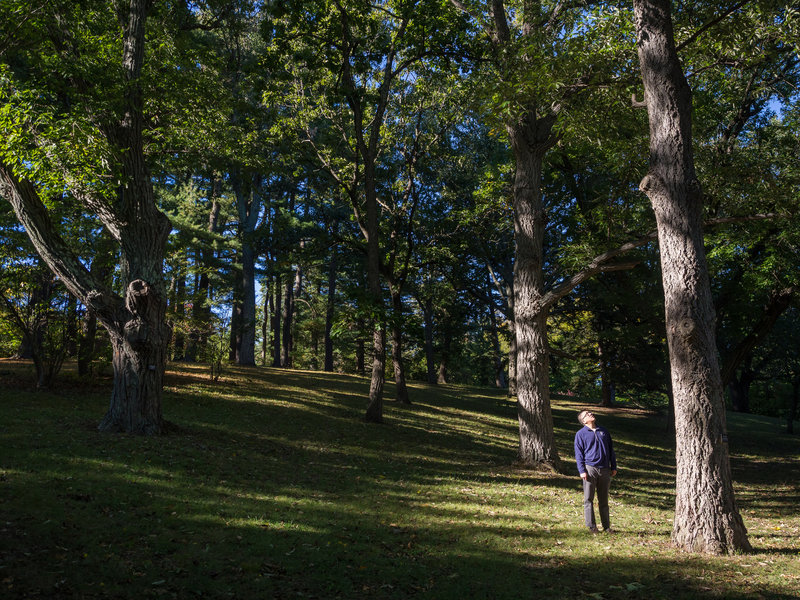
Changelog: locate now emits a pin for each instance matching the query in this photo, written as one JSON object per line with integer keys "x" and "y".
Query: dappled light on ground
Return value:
{"x": 272, "y": 485}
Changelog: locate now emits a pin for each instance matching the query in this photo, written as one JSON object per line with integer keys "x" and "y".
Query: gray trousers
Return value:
{"x": 598, "y": 480}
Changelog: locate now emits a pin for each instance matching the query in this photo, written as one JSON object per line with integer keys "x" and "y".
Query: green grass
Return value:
{"x": 272, "y": 486}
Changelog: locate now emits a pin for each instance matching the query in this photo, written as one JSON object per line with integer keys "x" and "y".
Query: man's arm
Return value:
{"x": 579, "y": 458}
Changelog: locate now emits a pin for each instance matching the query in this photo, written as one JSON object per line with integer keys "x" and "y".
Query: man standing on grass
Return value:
{"x": 597, "y": 464}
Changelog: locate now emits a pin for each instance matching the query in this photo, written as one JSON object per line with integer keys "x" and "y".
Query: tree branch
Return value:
{"x": 710, "y": 24}
{"x": 34, "y": 217}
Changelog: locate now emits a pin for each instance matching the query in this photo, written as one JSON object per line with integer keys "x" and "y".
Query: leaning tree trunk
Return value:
{"x": 706, "y": 516}
{"x": 530, "y": 139}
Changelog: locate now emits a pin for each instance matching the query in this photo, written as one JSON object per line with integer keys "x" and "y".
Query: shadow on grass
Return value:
{"x": 275, "y": 487}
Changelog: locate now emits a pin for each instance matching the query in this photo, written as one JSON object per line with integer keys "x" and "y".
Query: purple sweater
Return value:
{"x": 594, "y": 448}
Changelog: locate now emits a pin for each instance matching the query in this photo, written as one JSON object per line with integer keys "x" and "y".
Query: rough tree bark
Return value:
{"x": 136, "y": 323}
{"x": 531, "y": 136}
{"x": 706, "y": 516}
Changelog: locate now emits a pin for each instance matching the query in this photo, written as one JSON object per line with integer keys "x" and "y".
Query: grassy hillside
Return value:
{"x": 272, "y": 486}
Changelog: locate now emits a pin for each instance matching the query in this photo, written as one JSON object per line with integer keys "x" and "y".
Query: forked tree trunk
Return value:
{"x": 706, "y": 516}
{"x": 136, "y": 323}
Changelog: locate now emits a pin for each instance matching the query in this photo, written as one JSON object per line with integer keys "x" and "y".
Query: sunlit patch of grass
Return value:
{"x": 272, "y": 485}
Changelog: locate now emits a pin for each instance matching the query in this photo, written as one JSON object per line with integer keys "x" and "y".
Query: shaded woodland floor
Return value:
{"x": 272, "y": 486}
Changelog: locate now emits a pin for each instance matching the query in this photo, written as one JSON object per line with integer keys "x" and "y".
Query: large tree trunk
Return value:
{"x": 248, "y": 204}
{"x": 530, "y": 140}
{"x": 374, "y": 412}
{"x": 139, "y": 357}
{"x": 136, "y": 324}
{"x": 706, "y": 516}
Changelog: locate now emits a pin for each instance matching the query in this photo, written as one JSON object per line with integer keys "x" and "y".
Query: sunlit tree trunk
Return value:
{"x": 706, "y": 516}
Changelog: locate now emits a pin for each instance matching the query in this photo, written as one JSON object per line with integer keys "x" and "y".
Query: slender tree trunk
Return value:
{"x": 276, "y": 323}
{"x": 430, "y": 360}
{"x": 235, "y": 339}
{"x": 779, "y": 300}
{"x": 739, "y": 389}
{"x": 201, "y": 314}
{"x": 397, "y": 350}
{"x": 246, "y": 354}
{"x": 361, "y": 367}
{"x": 606, "y": 383}
{"x": 530, "y": 139}
{"x": 499, "y": 380}
{"x": 512, "y": 359}
{"x": 330, "y": 311}
{"x": 444, "y": 356}
{"x": 179, "y": 340}
{"x": 265, "y": 323}
{"x": 72, "y": 326}
{"x": 287, "y": 317}
{"x": 86, "y": 344}
{"x": 706, "y": 516}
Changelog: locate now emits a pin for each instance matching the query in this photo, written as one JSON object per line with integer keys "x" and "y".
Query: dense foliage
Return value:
{"x": 273, "y": 129}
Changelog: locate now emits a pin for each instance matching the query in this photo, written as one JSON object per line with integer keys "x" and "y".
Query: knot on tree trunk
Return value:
{"x": 652, "y": 184}
{"x": 137, "y": 297}
{"x": 685, "y": 328}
